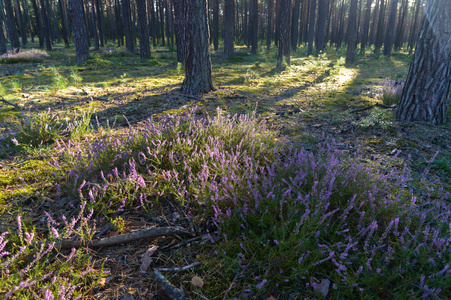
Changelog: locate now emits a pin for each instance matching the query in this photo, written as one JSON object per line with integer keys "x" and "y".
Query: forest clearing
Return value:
{"x": 244, "y": 171}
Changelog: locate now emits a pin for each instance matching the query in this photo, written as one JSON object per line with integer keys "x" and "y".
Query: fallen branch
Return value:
{"x": 9, "y": 103}
{"x": 178, "y": 269}
{"x": 169, "y": 289}
{"x": 374, "y": 105}
{"x": 125, "y": 238}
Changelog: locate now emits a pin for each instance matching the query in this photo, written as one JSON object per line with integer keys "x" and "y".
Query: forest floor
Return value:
{"x": 314, "y": 98}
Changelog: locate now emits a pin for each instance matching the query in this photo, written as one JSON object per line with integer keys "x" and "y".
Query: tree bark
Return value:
{"x": 380, "y": 28}
{"x": 38, "y": 23}
{"x": 21, "y": 24}
{"x": 80, "y": 31}
{"x": 399, "y": 40}
{"x": 253, "y": 26}
{"x": 285, "y": 32}
{"x": 64, "y": 25}
{"x": 229, "y": 27}
{"x": 372, "y": 38}
{"x": 46, "y": 23}
{"x": 427, "y": 88}
{"x": 323, "y": 6}
{"x": 413, "y": 31}
{"x": 295, "y": 24}
{"x": 127, "y": 17}
{"x": 179, "y": 30}
{"x": 215, "y": 24}
{"x": 3, "y": 40}
{"x": 351, "y": 32}
{"x": 197, "y": 49}
{"x": 311, "y": 27}
{"x": 144, "y": 45}
{"x": 366, "y": 26}
{"x": 389, "y": 31}
{"x": 270, "y": 22}
{"x": 11, "y": 26}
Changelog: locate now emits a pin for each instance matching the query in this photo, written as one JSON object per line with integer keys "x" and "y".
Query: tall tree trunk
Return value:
{"x": 413, "y": 31}
{"x": 3, "y": 40}
{"x": 20, "y": 22}
{"x": 38, "y": 23}
{"x": 11, "y": 26}
{"x": 341, "y": 25}
{"x": 389, "y": 31}
{"x": 351, "y": 32}
{"x": 95, "y": 26}
{"x": 366, "y": 26}
{"x": 380, "y": 28}
{"x": 270, "y": 30}
{"x": 285, "y": 32}
{"x": 198, "y": 63}
{"x": 399, "y": 40}
{"x": 27, "y": 20}
{"x": 295, "y": 24}
{"x": 311, "y": 27}
{"x": 229, "y": 27}
{"x": 64, "y": 27}
{"x": 321, "y": 25}
{"x": 372, "y": 38}
{"x": 160, "y": 10}
{"x": 428, "y": 83}
{"x": 179, "y": 30}
{"x": 277, "y": 25}
{"x": 253, "y": 26}
{"x": 80, "y": 30}
{"x": 215, "y": 24}
{"x": 128, "y": 26}
{"x": 119, "y": 25}
{"x": 46, "y": 23}
{"x": 144, "y": 46}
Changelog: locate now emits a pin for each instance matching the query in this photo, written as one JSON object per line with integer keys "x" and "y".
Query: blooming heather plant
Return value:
{"x": 33, "y": 268}
{"x": 32, "y": 55}
{"x": 391, "y": 91}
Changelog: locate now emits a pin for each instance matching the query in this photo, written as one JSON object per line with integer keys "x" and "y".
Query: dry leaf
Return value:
{"x": 197, "y": 281}
{"x": 102, "y": 281}
{"x": 322, "y": 287}
{"x": 271, "y": 298}
{"x": 147, "y": 258}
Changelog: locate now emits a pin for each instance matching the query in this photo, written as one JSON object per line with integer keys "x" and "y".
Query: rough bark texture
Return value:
{"x": 380, "y": 28}
{"x": 11, "y": 26}
{"x": 197, "y": 49}
{"x": 143, "y": 34}
{"x": 179, "y": 30}
{"x": 351, "y": 32}
{"x": 311, "y": 30}
{"x": 285, "y": 32}
{"x": 229, "y": 27}
{"x": 389, "y": 31}
{"x": 323, "y": 6}
{"x": 366, "y": 26}
{"x": 427, "y": 88}
{"x": 128, "y": 26}
{"x": 80, "y": 30}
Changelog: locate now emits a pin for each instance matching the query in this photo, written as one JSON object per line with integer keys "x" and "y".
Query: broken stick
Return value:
{"x": 9, "y": 103}
{"x": 125, "y": 238}
{"x": 178, "y": 269}
{"x": 169, "y": 289}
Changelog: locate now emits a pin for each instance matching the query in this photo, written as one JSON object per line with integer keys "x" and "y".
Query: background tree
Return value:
{"x": 215, "y": 24}
{"x": 351, "y": 32}
{"x": 197, "y": 49}
{"x": 179, "y": 27}
{"x": 366, "y": 26}
{"x": 19, "y": 17}
{"x": 143, "y": 34}
{"x": 2, "y": 36}
{"x": 46, "y": 25}
{"x": 229, "y": 27}
{"x": 11, "y": 26}
{"x": 323, "y": 6}
{"x": 311, "y": 26}
{"x": 285, "y": 32}
{"x": 295, "y": 23}
{"x": 389, "y": 31}
{"x": 80, "y": 30}
{"x": 428, "y": 83}
{"x": 128, "y": 26}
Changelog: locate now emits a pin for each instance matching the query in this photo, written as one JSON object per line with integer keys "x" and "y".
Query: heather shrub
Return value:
{"x": 176, "y": 157}
{"x": 391, "y": 91}
{"x": 33, "y": 55}
{"x": 34, "y": 268}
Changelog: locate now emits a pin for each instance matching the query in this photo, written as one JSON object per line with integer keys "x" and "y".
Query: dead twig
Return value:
{"x": 169, "y": 289}
{"x": 125, "y": 238}
{"x": 178, "y": 269}
{"x": 9, "y": 103}
{"x": 374, "y": 105}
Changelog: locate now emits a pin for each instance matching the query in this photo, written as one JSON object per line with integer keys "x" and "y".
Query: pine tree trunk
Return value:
{"x": 269, "y": 29}
{"x": 351, "y": 32}
{"x": 80, "y": 30}
{"x": 144, "y": 46}
{"x": 229, "y": 27}
{"x": 321, "y": 25}
{"x": 215, "y": 24}
{"x": 95, "y": 26}
{"x": 389, "y": 31}
{"x": 295, "y": 24}
{"x": 253, "y": 25}
{"x": 46, "y": 23}
{"x": 413, "y": 31}
{"x": 399, "y": 40}
{"x": 380, "y": 28}
{"x": 179, "y": 30}
{"x": 38, "y": 23}
{"x": 428, "y": 84}
{"x": 285, "y": 32}
{"x": 372, "y": 38}
{"x": 100, "y": 22}
{"x": 366, "y": 26}
{"x": 128, "y": 26}
{"x": 3, "y": 40}
{"x": 21, "y": 24}
{"x": 11, "y": 26}
{"x": 64, "y": 26}
{"x": 311, "y": 27}
{"x": 27, "y": 19}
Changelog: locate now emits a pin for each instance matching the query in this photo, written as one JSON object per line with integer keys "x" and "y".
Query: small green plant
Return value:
{"x": 118, "y": 224}
{"x": 14, "y": 86}
{"x": 378, "y": 118}
{"x": 345, "y": 116}
{"x": 59, "y": 81}
{"x": 75, "y": 77}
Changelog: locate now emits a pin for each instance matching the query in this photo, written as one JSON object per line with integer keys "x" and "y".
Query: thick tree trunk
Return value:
{"x": 179, "y": 30}
{"x": 229, "y": 27}
{"x": 285, "y": 32}
{"x": 311, "y": 27}
{"x": 11, "y": 26}
{"x": 323, "y": 6}
{"x": 427, "y": 88}
{"x": 197, "y": 46}
{"x": 128, "y": 26}
{"x": 389, "y": 31}
{"x": 366, "y": 26}
{"x": 295, "y": 24}
{"x": 144, "y": 46}
{"x": 80, "y": 30}
{"x": 351, "y": 32}
{"x": 380, "y": 28}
